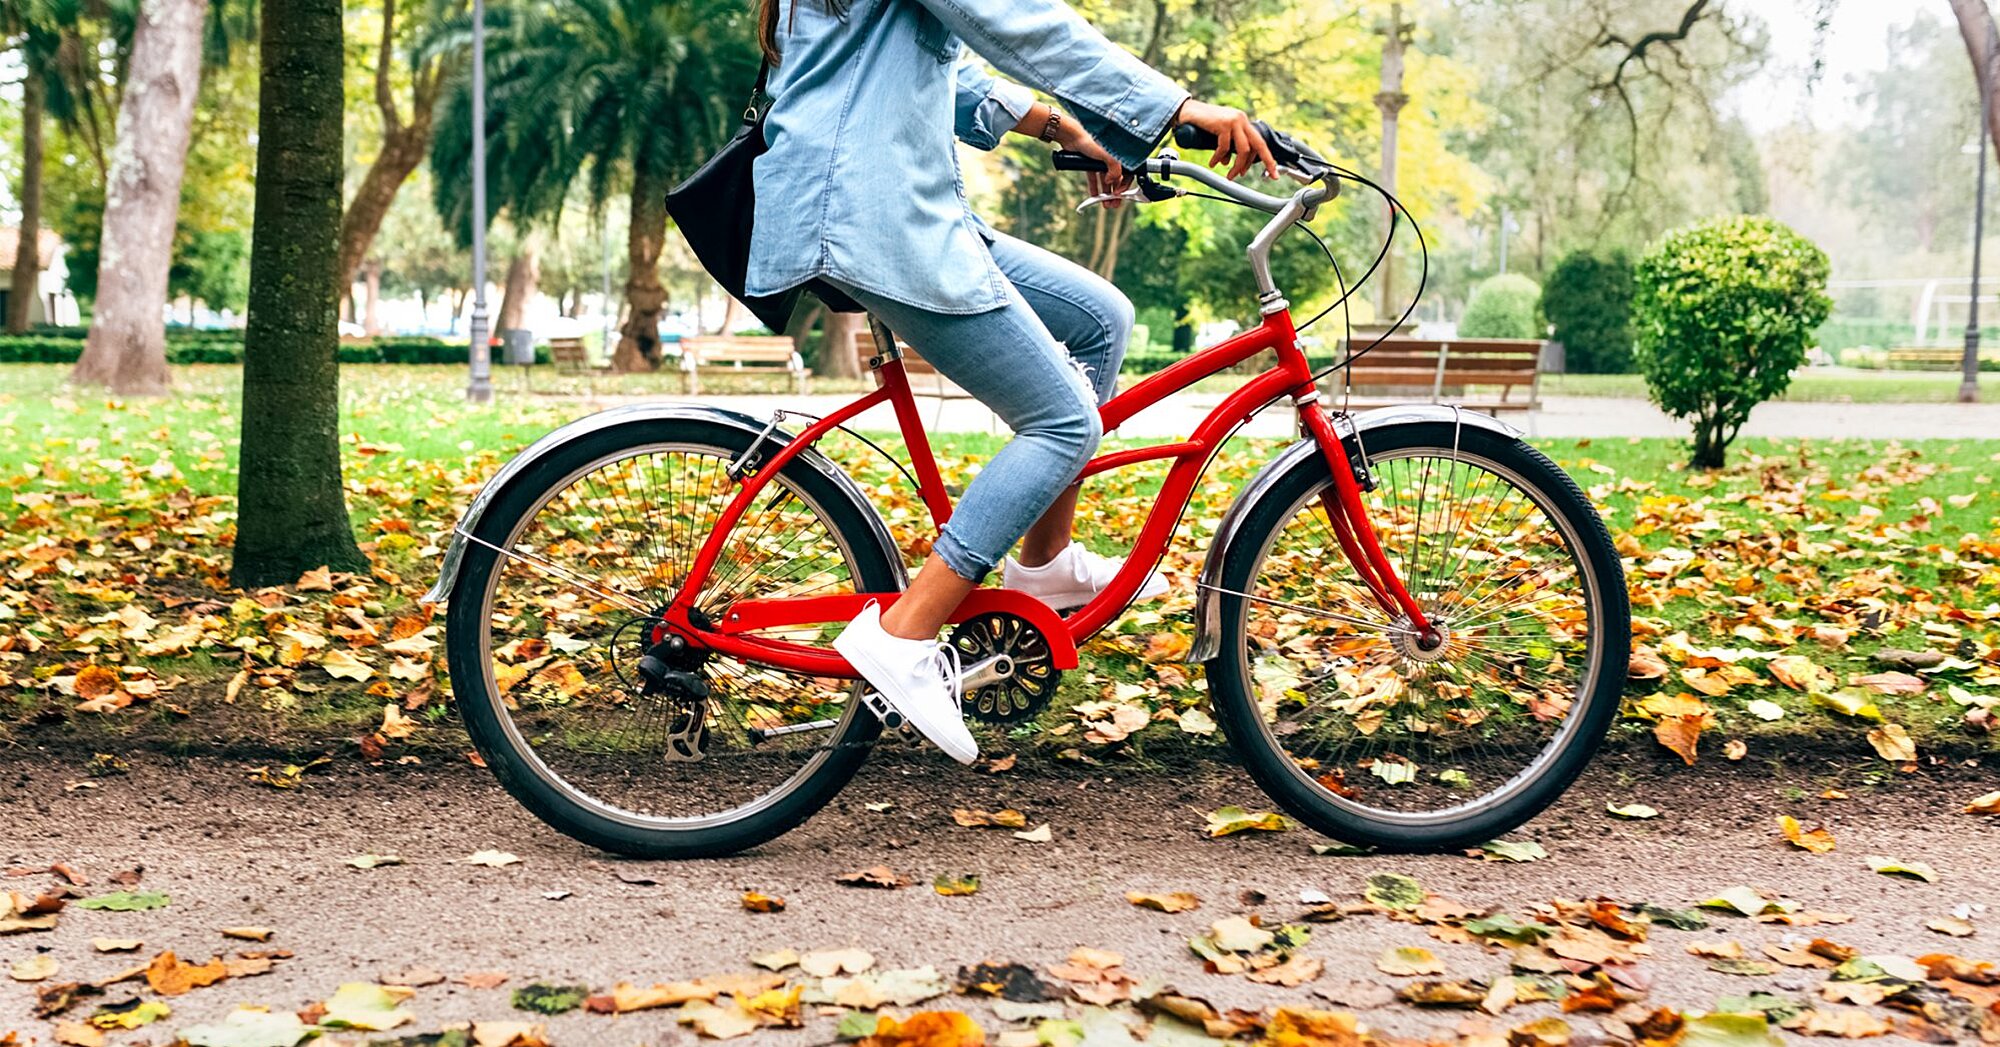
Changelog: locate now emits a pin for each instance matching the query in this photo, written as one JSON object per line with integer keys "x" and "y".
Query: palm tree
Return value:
{"x": 626, "y": 95}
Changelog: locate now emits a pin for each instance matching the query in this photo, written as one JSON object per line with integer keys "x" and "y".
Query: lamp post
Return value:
{"x": 1968, "y": 386}
{"x": 480, "y": 389}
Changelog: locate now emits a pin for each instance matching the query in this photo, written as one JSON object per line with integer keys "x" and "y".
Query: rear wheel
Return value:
{"x": 545, "y": 642}
{"x": 1354, "y": 723}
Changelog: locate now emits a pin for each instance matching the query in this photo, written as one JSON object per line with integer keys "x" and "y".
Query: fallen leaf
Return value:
{"x": 1986, "y": 804}
{"x": 170, "y": 976}
{"x": 490, "y": 858}
{"x": 1511, "y": 851}
{"x": 825, "y": 963}
{"x": 366, "y": 1006}
{"x": 248, "y": 934}
{"x": 1896, "y": 867}
{"x": 1038, "y": 834}
{"x": 754, "y": 901}
{"x": 1951, "y": 925}
{"x": 1178, "y": 901}
{"x": 1818, "y": 841}
{"x": 1409, "y": 961}
{"x": 954, "y": 886}
{"x": 116, "y": 944}
{"x": 926, "y": 1029}
{"x": 1893, "y": 743}
{"x": 1630, "y": 810}
{"x": 373, "y": 861}
{"x": 877, "y": 876}
{"x": 33, "y": 968}
{"x": 1225, "y": 821}
{"x": 1007, "y": 819}
{"x": 127, "y": 901}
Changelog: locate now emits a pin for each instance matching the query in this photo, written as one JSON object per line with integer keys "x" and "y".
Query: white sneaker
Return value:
{"x": 918, "y": 678}
{"x": 1074, "y": 578}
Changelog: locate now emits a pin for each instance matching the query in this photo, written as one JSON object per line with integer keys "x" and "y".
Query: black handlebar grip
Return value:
{"x": 1188, "y": 136}
{"x": 1065, "y": 160}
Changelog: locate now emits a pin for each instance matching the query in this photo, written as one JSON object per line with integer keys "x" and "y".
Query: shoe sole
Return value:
{"x": 863, "y": 664}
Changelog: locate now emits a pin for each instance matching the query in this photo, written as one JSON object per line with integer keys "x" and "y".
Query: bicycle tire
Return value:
{"x": 1234, "y": 688}
{"x": 521, "y": 772}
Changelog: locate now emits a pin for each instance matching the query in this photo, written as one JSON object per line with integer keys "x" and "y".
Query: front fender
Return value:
{"x": 645, "y": 412}
{"x": 1207, "y": 604}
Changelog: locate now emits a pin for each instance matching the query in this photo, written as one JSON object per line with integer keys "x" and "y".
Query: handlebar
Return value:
{"x": 1294, "y": 157}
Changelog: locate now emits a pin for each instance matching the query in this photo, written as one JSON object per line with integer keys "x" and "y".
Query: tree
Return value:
{"x": 27, "y": 260}
{"x": 126, "y": 349}
{"x": 404, "y": 142}
{"x": 1982, "y": 45}
{"x": 1724, "y": 313}
{"x": 631, "y": 93}
{"x": 1589, "y": 301}
{"x": 291, "y": 512}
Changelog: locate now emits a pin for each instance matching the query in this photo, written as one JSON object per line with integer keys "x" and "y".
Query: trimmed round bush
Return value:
{"x": 1722, "y": 314}
{"x": 1506, "y": 306}
{"x": 1588, "y": 300}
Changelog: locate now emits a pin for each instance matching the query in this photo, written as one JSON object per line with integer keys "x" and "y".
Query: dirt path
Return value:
{"x": 230, "y": 853}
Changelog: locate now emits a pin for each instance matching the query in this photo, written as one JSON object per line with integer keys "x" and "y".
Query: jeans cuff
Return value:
{"x": 960, "y": 559}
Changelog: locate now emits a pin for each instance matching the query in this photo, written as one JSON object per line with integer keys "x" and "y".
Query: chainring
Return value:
{"x": 1024, "y": 692}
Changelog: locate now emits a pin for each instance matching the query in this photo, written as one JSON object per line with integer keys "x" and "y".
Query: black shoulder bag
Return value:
{"x": 716, "y": 207}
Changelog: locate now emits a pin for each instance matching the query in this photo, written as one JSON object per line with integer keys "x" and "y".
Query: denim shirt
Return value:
{"x": 861, "y": 180}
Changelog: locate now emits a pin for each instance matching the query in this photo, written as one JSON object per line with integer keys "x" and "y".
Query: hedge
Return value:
{"x": 61, "y": 345}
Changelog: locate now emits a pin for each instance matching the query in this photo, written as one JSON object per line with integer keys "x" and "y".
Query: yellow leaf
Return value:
{"x": 1893, "y": 743}
{"x": 1818, "y": 841}
{"x": 1178, "y": 901}
{"x": 342, "y": 664}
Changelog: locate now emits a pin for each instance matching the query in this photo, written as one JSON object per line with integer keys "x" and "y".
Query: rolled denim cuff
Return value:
{"x": 962, "y": 561}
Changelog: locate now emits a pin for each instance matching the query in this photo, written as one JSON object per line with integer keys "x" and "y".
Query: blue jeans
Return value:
{"x": 1043, "y": 362}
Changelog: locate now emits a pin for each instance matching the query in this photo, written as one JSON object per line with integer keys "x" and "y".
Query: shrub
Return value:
{"x": 1506, "y": 306}
{"x": 1722, "y": 313}
{"x": 1589, "y": 302}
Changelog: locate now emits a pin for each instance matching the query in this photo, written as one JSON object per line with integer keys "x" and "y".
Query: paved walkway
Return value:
{"x": 1560, "y": 417}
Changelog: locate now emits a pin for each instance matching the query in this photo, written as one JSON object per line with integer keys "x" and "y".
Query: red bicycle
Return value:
{"x": 1414, "y": 625}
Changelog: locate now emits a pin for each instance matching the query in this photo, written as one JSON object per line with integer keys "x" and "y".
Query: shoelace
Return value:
{"x": 953, "y": 671}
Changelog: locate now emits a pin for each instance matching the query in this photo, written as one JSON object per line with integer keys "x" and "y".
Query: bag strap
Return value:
{"x": 751, "y": 112}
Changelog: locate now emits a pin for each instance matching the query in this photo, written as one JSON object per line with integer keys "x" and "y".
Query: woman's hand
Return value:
{"x": 1234, "y": 136}
{"x": 1112, "y": 180}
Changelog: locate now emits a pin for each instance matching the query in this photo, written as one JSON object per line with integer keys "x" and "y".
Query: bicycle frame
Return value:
{"x": 1290, "y": 377}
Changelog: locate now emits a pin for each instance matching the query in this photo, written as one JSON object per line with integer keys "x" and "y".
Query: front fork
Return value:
{"x": 1354, "y": 531}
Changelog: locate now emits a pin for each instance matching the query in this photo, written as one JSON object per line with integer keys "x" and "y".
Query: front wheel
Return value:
{"x": 1366, "y": 734}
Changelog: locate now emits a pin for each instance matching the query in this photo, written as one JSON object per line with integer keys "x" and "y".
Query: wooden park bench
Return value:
{"x": 1476, "y": 373}
{"x": 924, "y": 379}
{"x": 740, "y": 354}
{"x": 570, "y": 357}
{"x": 1932, "y": 359}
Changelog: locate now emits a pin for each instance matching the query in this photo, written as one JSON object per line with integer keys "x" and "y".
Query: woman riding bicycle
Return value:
{"x": 859, "y": 195}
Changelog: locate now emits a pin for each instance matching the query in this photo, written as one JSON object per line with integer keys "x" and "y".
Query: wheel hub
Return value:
{"x": 1432, "y": 645}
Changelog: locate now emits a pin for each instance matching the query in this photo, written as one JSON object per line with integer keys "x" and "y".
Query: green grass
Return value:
{"x": 1827, "y": 385}
{"x": 1903, "y": 537}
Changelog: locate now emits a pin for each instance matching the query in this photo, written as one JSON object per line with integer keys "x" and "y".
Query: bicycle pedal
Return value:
{"x": 883, "y": 711}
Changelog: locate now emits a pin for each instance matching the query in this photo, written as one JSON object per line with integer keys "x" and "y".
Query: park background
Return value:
{"x": 214, "y": 537}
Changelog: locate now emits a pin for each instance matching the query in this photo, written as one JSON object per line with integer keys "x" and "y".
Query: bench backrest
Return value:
{"x": 1448, "y": 362}
{"x": 567, "y": 350}
{"x": 734, "y": 349}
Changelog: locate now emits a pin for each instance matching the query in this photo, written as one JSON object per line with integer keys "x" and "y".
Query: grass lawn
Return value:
{"x": 118, "y": 517}
{"x": 1814, "y": 385}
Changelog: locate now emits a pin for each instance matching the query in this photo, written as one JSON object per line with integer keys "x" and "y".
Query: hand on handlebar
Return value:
{"x": 1107, "y": 186}
{"x": 1234, "y": 136}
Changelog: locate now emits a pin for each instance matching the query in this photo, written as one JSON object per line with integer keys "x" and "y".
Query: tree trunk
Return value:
{"x": 523, "y": 273}
{"x": 371, "y": 285}
{"x": 27, "y": 285}
{"x": 639, "y": 338}
{"x": 291, "y": 511}
{"x": 127, "y": 346}
{"x": 403, "y": 148}
{"x": 731, "y": 309}
{"x": 837, "y": 358}
{"x": 1982, "y": 44}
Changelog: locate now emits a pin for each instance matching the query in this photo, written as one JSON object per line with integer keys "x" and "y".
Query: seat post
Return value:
{"x": 885, "y": 344}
